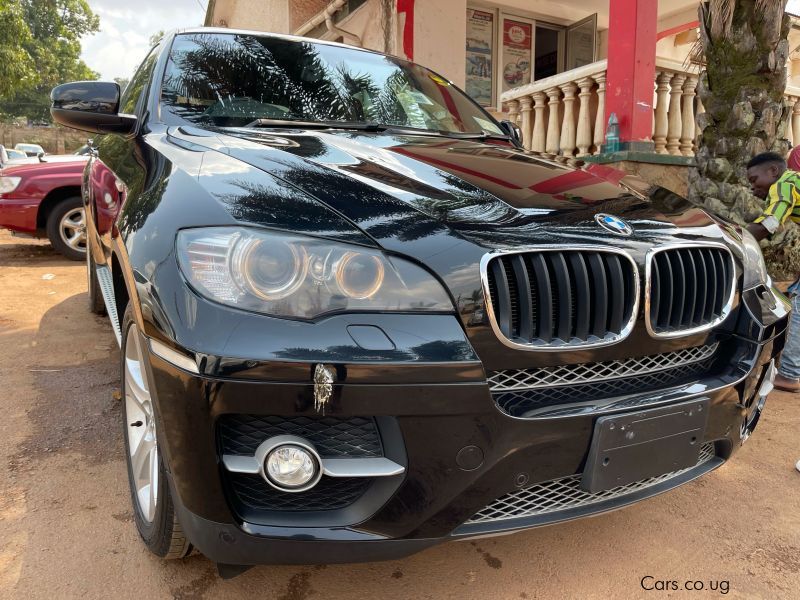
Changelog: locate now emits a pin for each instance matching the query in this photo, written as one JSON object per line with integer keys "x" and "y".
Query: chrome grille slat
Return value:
{"x": 554, "y": 298}
{"x": 523, "y": 379}
{"x": 691, "y": 289}
{"x": 565, "y": 494}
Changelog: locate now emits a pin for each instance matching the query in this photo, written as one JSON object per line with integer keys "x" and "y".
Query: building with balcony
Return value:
{"x": 558, "y": 68}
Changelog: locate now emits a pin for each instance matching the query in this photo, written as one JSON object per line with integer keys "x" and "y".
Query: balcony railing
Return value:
{"x": 565, "y": 114}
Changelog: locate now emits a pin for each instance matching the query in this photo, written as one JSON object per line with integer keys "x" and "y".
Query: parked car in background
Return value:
{"x": 15, "y": 155}
{"x": 44, "y": 199}
{"x": 30, "y": 149}
{"x": 356, "y": 319}
{"x": 9, "y": 155}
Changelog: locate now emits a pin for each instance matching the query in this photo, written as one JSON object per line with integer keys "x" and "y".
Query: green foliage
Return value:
{"x": 51, "y": 40}
{"x": 156, "y": 37}
{"x": 16, "y": 64}
{"x": 122, "y": 82}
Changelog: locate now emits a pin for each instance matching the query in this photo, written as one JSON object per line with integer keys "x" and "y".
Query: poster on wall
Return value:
{"x": 517, "y": 41}
{"x": 480, "y": 33}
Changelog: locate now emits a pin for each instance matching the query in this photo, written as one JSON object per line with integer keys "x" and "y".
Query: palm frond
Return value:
{"x": 720, "y": 14}
{"x": 770, "y": 6}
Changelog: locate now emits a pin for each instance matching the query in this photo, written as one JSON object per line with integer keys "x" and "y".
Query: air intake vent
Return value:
{"x": 691, "y": 290}
{"x": 551, "y": 299}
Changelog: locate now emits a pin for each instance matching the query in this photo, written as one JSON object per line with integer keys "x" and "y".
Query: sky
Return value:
{"x": 126, "y": 27}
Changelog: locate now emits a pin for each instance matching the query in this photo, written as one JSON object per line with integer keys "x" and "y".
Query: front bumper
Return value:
{"x": 19, "y": 214}
{"x": 440, "y": 494}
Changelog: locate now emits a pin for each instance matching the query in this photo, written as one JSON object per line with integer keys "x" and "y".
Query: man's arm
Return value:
{"x": 758, "y": 231}
{"x": 780, "y": 206}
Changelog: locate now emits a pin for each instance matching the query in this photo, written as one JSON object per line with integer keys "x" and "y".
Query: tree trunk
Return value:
{"x": 745, "y": 49}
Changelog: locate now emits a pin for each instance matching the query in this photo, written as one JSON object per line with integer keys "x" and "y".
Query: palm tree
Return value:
{"x": 743, "y": 49}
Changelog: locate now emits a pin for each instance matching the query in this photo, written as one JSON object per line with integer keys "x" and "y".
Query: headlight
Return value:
{"x": 9, "y": 184}
{"x": 755, "y": 270}
{"x": 300, "y": 277}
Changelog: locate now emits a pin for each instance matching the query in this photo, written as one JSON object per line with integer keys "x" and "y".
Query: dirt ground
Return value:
{"x": 66, "y": 527}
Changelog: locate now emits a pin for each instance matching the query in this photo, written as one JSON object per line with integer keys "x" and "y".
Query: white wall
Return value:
{"x": 440, "y": 32}
{"x": 365, "y": 22}
{"x": 246, "y": 14}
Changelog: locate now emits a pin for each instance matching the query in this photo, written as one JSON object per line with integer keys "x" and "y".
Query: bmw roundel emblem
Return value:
{"x": 613, "y": 224}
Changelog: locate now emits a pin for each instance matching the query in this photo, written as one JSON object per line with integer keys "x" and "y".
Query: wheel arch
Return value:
{"x": 121, "y": 295}
{"x": 50, "y": 201}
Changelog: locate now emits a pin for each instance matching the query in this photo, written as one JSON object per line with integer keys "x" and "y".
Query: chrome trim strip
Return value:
{"x": 173, "y": 356}
{"x": 241, "y": 464}
{"x": 361, "y": 467}
{"x": 726, "y": 308}
{"x": 559, "y": 345}
{"x": 332, "y": 467}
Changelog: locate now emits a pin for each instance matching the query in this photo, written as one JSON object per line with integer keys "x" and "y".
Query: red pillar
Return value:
{"x": 630, "y": 81}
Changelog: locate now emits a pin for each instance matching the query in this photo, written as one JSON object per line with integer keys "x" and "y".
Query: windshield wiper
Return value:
{"x": 318, "y": 124}
{"x": 476, "y": 135}
{"x": 357, "y": 125}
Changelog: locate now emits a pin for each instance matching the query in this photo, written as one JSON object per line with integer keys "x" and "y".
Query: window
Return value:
{"x": 137, "y": 85}
{"x": 232, "y": 80}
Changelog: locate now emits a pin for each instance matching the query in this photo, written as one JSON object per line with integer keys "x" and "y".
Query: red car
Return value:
{"x": 44, "y": 199}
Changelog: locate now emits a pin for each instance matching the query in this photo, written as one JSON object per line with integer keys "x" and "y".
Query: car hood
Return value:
{"x": 68, "y": 163}
{"x": 443, "y": 202}
{"x": 398, "y": 188}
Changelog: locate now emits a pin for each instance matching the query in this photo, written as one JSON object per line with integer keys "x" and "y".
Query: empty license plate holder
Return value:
{"x": 635, "y": 446}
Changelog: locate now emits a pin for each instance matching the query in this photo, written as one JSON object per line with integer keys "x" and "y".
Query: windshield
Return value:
{"x": 230, "y": 80}
{"x": 28, "y": 148}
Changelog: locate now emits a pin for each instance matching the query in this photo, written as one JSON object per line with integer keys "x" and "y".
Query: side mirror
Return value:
{"x": 90, "y": 106}
{"x": 513, "y": 131}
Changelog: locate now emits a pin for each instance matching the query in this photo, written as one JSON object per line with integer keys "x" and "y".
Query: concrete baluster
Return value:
{"x": 539, "y": 126}
{"x": 553, "y": 125}
{"x": 791, "y": 102}
{"x": 584, "y": 134}
{"x": 568, "y": 129}
{"x": 796, "y": 122}
{"x": 513, "y": 110}
{"x": 662, "y": 102}
{"x": 600, "y": 119}
{"x": 687, "y": 132}
{"x": 527, "y": 124}
{"x": 675, "y": 126}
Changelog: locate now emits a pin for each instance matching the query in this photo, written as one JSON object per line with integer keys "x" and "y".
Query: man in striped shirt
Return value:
{"x": 780, "y": 188}
{"x": 770, "y": 180}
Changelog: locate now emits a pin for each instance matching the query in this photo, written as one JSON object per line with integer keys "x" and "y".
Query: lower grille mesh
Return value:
{"x": 521, "y": 392}
{"x": 331, "y": 436}
{"x": 566, "y": 493}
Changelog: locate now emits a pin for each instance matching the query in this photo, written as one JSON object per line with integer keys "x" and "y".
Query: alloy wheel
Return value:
{"x": 142, "y": 441}
{"x": 72, "y": 229}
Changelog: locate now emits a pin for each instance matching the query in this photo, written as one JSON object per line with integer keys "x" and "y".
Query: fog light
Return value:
{"x": 292, "y": 468}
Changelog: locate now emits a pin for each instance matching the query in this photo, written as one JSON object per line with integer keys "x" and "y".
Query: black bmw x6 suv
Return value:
{"x": 357, "y": 320}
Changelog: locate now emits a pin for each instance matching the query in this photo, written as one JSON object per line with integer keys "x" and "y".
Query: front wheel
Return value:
{"x": 66, "y": 228}
{"x": 153, "y": 510}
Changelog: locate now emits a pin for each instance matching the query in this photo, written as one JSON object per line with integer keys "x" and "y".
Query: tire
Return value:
{"x": 153, "y": 513}
{"x": 66, "y": 228}
{"x": 96, "y": 303}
